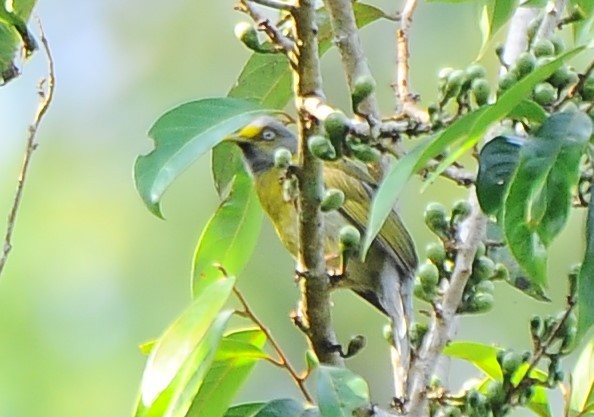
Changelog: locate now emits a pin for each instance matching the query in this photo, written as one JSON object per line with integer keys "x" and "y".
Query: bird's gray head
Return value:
{"x": 261, "y": 138}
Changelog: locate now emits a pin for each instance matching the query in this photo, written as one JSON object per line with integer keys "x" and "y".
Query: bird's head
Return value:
{"x": 260, "y": 139}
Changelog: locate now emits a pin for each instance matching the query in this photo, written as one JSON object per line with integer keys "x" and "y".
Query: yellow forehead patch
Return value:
{"x": 250, "y": 131}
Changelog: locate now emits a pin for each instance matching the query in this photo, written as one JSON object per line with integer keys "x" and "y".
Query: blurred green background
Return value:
{"x": 93, "y": 274}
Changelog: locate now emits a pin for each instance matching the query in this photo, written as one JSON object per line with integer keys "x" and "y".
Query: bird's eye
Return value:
{"x": 268, "y": 134}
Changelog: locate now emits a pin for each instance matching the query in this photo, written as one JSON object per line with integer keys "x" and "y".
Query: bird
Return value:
{"x": 385, "y": 277}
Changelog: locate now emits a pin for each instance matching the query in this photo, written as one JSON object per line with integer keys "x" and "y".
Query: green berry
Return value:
{"x": 282, "y": 158}
{"x": 543, "y": 47}
{"x": 569, "y": 107}
{"x": 495, "y": 392}
{"x": 483, "y": 268}
{"x": 337, "y": 127}
{"x": 536, "y": 327}
{"x": 455, "y": 80}
{"x": 510, "y": 363}
{"x": 362, "y": 88}
{"x": 436, "y": 219}
{"x": 525, "y": 63}
{"x": 485, "y": 286}
{"x": 482, "y": 302}
{"x": 545, "y": 94}
{"x": 365, "y": 153}
{"x": 444, "y": 73}
{"x": 563, "y": 77}
{"x": 558, "y": 43}
{"x": 481, "y": 90}
{"x": 422, "y": 293}
{"x": 428, "y": 275}
{"x": 333, "y": 200}
{"x": 356, "y": 344}
{"x": 481, "y": 249}
{"x": 321, "y": 147}
{"x": 500, "y": 273}
{"x": 461, "y": 210}
{"x": 436, "y": 253}
{"x": 247, "y": 34}
{"x": 507, "y": 80}
{"x": 349, "y": 238}
{"x": 543, "y": 60}
{"x": 475, "y": 71}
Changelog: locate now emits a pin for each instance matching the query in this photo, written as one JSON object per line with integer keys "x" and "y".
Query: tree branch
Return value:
{"x": 354, "y": 61}
{"x": 316, "y": 284}
{"x": 46, "y": 94}
{"x": 551, "y": 18}
{"x": 407, "y": 102}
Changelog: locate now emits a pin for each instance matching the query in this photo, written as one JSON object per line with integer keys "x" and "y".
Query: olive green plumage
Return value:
{"x": 385, "y": 278}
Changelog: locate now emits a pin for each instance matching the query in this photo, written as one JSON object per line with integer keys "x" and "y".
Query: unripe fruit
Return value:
{"x": 365, "y": 153}
{"x": 428, "y": 275}
{"x": 247, "y": 34}
{"x": 362, "y": 88}
{"x": 444, "y": 73}
{"x": 282, "y": 158}
{"x": 543, "y": 60}
{"x": 461, "y": 210}
{"x": 543, "y": 47}
{"x": 558, "y": 43}
{"x": 510, "y": 363}
{"x": 436, "y": 253}
{"x": 435, "y": 219}
{"x": 481, "y": 90}
{"x": 481, "y": 249}
{"x": 563, "y": 77}
{"x": 495, "y": 393}
{"x": 569, "y": 107}
{"x": 485, "y": 286}
{"x": 349, "y": 238}
{"x": 422, "y": 294}
{"x": 356, "y": 344}
{"x": 545, "y": 94}
{"x": 475, "y": 71}
{"x": 483, "y": 268}
{"x": 455, "y": 80}
{"x": 500, "y": 273}
{"x": 321, "y": 147}
{"x": 482, "y": 302}
{"x": 337, "y": 127}
{"x": 333, "y": 200}
{"x": 525, "y": 63}
{"x": 536, "y": 327}
{"x": 507, "y": 80}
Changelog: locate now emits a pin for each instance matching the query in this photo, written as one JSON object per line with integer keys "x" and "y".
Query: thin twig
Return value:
{"x": 283, "y": 361}
{"x": 46, "y": 94}
{"x": 407, "y": 102}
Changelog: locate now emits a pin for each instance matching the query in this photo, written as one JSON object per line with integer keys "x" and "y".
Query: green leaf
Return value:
{"x": 586, "y": 280}
{"x": 582, "y": 390}
{"x": 184, "y": 134}
{"x": 235, "y": 358}
{"x": 181, "y": 357}
{"x": 494, "y": 15}
{"x": 528, "y": 110}
{"x": 340, "y": 391}
{"x": 539, "y": 196}
{"x": 484, "y": 357}
{"x": 497, "y": 162}
{"x": 13, "y": 31}
{"x": 230, "y": 236}
{"x": 274, "y": 408}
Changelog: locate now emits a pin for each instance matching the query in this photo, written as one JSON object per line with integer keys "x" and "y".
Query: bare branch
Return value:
{"x": 46, "y": 94}
{"x": 407, "y": 102}
{"x": 551, "y": 19}
{"x": 283, "y": 361}
{"x": 316, "y": 283}
{"x": 354, "y": 61}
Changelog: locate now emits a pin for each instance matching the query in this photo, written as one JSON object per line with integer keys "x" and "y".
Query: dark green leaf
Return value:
{"x": 274, "y": 408}
{"x": 497, "y": 163}
{"x": 495, "y": 14}
{"x": 180, "y": 358}
{"x": 230, "y": 236}
{"x": 582, "y": 390}
{"x": 539, "y": 197}
{"x": 340, "y": 391}
{"x": 586, "y": 280}
{"x": 184, "y": 134}
{"x": 236, "y": 356}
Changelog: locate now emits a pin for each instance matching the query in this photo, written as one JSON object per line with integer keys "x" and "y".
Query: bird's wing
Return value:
{"x": 357, "y": 186}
